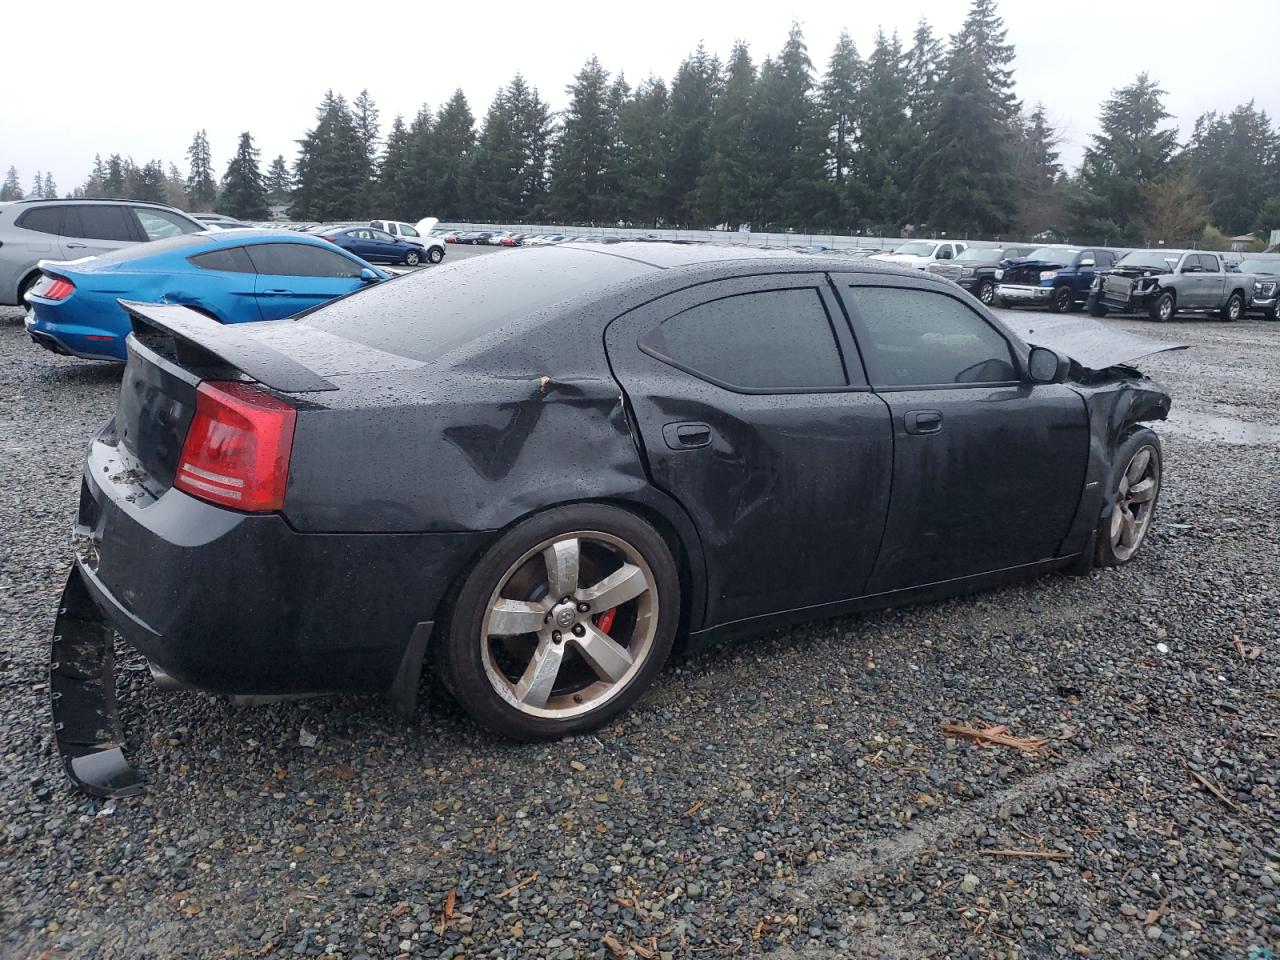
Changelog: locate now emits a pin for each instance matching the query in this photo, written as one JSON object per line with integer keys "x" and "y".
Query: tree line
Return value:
{"x": 919, "y": 137}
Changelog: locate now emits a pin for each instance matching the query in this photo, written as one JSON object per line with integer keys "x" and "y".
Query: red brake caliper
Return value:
{"x": 605, "y": 620}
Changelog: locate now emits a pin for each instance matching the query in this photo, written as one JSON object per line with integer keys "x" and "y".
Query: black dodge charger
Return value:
{"x": 531, "y": 474}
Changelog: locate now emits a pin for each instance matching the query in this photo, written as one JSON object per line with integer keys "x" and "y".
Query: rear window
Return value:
{"x": 93, "y": 221}
{"x": 226, "y": 260}
{"x": 423, "y": 315}
{"x": 42, "y": 219}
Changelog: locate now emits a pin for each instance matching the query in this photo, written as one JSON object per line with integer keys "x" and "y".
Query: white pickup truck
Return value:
{"x": 921, "y": 253}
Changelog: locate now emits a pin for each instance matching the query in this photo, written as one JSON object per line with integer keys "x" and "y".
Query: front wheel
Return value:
{"x": 412, "y": 258}
{"x": 435, "y": 255}
{"x": 1233, "y": 309}
{"x": 1095, "y": 308}
{"x": 1062, "y": 301}
{"x": 1164, "y": 308}
{"x": 987, "y": 292}
{"x": 1135, "y": 485}
{"x": 562, "y": 624}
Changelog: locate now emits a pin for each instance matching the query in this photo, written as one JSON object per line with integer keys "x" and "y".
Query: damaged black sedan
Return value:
{"x": 533, "y": 474}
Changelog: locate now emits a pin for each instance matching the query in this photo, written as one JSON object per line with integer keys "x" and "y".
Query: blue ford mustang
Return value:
{"x": 230, "y": 275}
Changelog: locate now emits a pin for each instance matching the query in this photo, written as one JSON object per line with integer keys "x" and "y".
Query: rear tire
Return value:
{"x": 435, "y": 255}
{"x": 560, "y": 676}
{"x": 26, "y": 286}
{"x": 1165, "y": 308}
{"x": 1135, "y": 484}
{"x": 1233, "y": 309}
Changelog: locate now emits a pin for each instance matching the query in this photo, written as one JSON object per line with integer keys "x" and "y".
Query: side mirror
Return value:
{"x": 1047, "y": 366}
{"x": 1086, "y": 263}
{"x": 368, "y": 276}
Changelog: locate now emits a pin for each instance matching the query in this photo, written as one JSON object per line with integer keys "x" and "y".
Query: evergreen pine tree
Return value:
{"x": 1234, "y": 158}
{"x": 965, "y": 182}
{"x": 496, "y": 167}
{"x": 50, "y": 188}
{"x": 279, "y": 181}
{"x": 37, "y": 187}
{"x": 690, "y": 109}
{"x": 724, "y": 186}
{"x": 882, "y": 176}
{"x": 201, "y": 189}
{"x": 642, "y": 127}
{"x": 332, "y": 171}
{"x": 392, "y": 170}
{"x": 244, "y": 193}
{"x": 12, "y": 187}
{"x": 580, "y": 158}
{"x": 365, "y": 113}
{"x": 1129, "y": 152}
{"x": 175, "y": 188}
{"x": 923, "y": 65}
{"x": 95, "y": 186}
{"x": 149, "y": 183}
{"x": 450, "y": 159}
{"x": 781, "y": 127}
{"x": 1040, "y": 177}
{"x": 418, "y": 185}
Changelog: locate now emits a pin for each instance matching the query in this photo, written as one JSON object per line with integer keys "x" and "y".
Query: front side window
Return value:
{"x": 408, "y": 231}
{"x": 776, "y": 340}
{"x": 379, "y": 235}
{"x": 98, "y": 221}
{"x": 300, "y": 260}
{"x": 926, "y": 338}
{"x": 160, "y": 224}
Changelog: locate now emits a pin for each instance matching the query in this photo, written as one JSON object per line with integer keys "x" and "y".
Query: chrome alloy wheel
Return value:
{"x": 1135, "y": 500}
{"x": 570, "y": 624}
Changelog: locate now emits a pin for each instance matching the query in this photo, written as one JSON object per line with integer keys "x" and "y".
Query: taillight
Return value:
{"x": 237, "y": 449}
{"x": 53, "y": 288}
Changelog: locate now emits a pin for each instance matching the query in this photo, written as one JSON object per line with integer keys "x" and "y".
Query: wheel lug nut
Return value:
{"x": 579, "y": 630}
{"x": 555, "y": 637}
{"x": 583, "y": 608}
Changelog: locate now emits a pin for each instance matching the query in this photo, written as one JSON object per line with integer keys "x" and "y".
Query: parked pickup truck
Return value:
{"x": 1160, "y": 283}
{"x": 1055, "y": 276}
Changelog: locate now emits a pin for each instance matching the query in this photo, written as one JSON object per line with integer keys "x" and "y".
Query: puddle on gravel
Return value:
{"x": 1210, "y": 426}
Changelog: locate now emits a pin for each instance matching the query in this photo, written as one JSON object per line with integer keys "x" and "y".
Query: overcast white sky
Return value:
{"x": 139, "y": 78}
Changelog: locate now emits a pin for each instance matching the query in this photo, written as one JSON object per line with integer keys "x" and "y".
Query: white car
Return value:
{"x": 920, "y": 253}
{"x": 419, "y": 233}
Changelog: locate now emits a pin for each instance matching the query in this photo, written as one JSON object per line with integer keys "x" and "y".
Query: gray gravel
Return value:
{"x": 788, "y": 796}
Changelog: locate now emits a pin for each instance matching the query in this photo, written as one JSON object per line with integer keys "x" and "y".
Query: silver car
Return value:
{"x": 35, "y": 230}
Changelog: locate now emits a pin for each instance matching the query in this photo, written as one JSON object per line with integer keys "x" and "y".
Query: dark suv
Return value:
{"x": 1057, "y": 276}
{"x": 975, "y": 268}
{"x": 35, "y": 230}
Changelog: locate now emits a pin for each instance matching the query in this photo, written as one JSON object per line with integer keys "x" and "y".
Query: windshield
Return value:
{"x": 1053, "y": 254}
{"x": 1151, "y": 259}
{"x": 981, "y": 255}
{"x": 1260, "y": 266}
{"x": 917, "y": 248}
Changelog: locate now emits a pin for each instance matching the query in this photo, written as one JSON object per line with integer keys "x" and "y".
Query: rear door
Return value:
{"x": 89, "y": 229}
{"x": 988, "y": 468}
{"x": 295, "y": 276}
{"x": 755, "y": 416}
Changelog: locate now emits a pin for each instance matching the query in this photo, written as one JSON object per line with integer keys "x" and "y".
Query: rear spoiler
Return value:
{"x": 201, "y": 341}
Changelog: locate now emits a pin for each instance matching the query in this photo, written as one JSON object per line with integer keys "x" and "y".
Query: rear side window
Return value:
{"x": 301, "y": 260}
{"x": 923, "y": 338}
{"x": 770, "y": 340}
{"x": 161, "y": 225}
{"x": 99, "y": 221}
{"x": 42, "y": 220}
{"x": 1209, "y": 262}
{"x": 227, "y": 260}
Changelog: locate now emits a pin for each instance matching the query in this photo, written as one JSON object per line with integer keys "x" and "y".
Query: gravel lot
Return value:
{"x": 788, "y": 796}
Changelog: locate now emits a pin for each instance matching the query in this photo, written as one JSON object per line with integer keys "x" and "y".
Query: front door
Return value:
{"x": 295, "y": 276}
{"x": 755, "y": 416}
{"x": 988, "y": 467}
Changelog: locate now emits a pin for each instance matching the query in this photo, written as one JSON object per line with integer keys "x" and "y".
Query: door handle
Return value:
{"x": 75, "y": 246}
{"x": 924, "y": 421}
{"x": 277, "y": 293}
{"x": 688, "y": 435}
